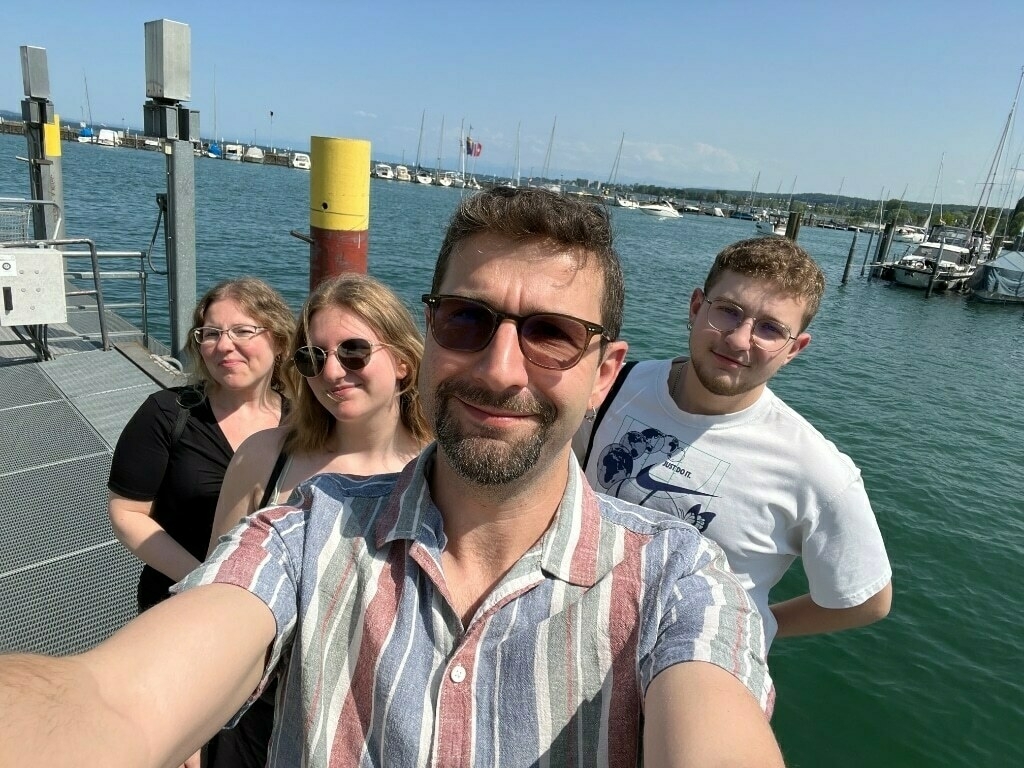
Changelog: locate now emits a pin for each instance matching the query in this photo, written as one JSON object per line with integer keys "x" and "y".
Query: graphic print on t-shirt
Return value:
{"x": 646, "y": 463}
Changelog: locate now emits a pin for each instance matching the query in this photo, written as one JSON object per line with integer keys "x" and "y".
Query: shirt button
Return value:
{"x": 458, "y": 673}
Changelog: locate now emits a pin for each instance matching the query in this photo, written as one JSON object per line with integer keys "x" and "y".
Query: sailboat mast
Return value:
{"x": 986, "y": 188}
{"x": 419, "y": 144}
{"x": 88, "y": 104}
{"x": 517, "y": 173}
{"x": 440, "y": 149}
{"x": 614, "y": 175}
{"x": 547, "y": 155}
{"x": 928, "y": 221}
{"x": 462, "y": 149}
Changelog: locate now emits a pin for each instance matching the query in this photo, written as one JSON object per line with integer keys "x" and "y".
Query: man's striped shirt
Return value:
{"x": 378, "y": 669}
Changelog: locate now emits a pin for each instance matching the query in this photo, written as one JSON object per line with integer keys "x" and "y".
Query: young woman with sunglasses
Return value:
{"x": 356, "y": 413}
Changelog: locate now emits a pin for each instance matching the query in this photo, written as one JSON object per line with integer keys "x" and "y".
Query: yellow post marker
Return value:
{"x": 51, "y": 137}
{"x": 339, "y": 207}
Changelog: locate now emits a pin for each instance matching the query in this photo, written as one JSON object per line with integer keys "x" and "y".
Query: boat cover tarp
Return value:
{"x": 1001, "y": 279}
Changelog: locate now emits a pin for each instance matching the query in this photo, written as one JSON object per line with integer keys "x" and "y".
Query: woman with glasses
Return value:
{"x": 171, "y": 457}
{"x": 357, "y": 413}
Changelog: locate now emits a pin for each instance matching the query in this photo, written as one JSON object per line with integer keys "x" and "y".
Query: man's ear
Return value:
{"x": 799, "y": 345}
{"x": 696, "y": 299}
{"x": 611, "y": 361}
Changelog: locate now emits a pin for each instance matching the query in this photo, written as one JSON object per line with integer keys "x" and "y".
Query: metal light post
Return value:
{"x": 271, "y": 131}
{"x": 168, "y": 83}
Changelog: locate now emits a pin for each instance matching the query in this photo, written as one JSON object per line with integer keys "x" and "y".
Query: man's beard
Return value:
{"x": 490, "y": 459}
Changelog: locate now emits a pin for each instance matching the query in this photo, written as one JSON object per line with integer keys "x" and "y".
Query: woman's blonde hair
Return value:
{"x": 309, "y": 423}
{"x": 256, "y": 299}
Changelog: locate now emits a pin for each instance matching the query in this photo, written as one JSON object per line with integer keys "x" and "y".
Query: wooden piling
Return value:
{"x": 849, "y": 259}
{"x": 935, "y": 269}
{"x": 793, "y": 225}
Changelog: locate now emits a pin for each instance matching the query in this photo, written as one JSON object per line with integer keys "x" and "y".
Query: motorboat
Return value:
{"x": 233, "y": 151}
{"x": 383, "y": 171}
{"x": 916, "y": 268}
{"x": 253, "y": 154}
{"x": 300, "y": 160}
{"x": 625, "y": 202}
{"x": 908, "y": 234}
{"x": 402, "y": 173}
{"x": 662, "y": 210}
{"x": 770, "y": 229}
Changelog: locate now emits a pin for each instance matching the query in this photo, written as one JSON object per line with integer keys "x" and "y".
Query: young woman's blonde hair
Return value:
{"x": 256, "y": 299}
{"x": 309, "y": 423}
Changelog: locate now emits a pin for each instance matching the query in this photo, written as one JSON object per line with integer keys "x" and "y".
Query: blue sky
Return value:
{"x": 864, "y": 96}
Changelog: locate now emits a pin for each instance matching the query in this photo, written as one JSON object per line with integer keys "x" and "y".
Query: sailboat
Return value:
{"x": 85, "y": 133}
{"x": 550, "y": 185}
{"x": 419, "y": 175}
{"x": 513, "y": 182}
{"x": 622, "y": 202}
{"x": 442, "y": 180}
{"x": 213, "y": 150}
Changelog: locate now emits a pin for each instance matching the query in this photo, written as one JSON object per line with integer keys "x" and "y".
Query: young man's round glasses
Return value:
{"x": 237, "y": 333}
{"x": 547, "y": 339}
{"x": 769, "y": 335}
{"x": 353, "y": 354}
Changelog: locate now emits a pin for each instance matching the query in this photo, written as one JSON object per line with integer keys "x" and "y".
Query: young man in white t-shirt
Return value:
{"x": 704, "y": 438}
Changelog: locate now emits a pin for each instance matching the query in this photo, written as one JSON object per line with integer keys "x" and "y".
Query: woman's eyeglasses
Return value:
{"x": 547, "y": 339}
{"x": 353, "y": 354}
{"x": 237, "y": 333}
{"x": 726, "y": 317}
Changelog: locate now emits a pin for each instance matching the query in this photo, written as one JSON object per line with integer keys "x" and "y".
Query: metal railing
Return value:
{"x": 15, "y": 215}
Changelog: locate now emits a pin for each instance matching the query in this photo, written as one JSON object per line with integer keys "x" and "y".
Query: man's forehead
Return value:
{"x": 489, "y": 257}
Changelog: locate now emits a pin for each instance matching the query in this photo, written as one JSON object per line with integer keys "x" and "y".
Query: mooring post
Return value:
{"x": 867, "y": 252}
{"x": 793, "y": 225}
{"x": 883, "y": 250}
{"x": 935, "y": 268}
{"x": 339, "y": 207}
{"x": 849, "y": 259}
{"x": 42, "y": 134}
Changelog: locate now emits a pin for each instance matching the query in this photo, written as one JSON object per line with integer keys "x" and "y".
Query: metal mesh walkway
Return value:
{"x": 65, "y": 582}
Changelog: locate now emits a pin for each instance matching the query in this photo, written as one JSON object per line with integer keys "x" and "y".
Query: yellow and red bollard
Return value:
{"x": 339, "y": 207}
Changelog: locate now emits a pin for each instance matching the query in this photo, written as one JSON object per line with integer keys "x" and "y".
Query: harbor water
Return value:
{"x": 924, "y": 394}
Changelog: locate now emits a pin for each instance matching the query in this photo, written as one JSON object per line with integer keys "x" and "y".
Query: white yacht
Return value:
{"x": 233, "y": 151}
{"x": 663, "y": 210}
{"x": 383, "y": 171}
{"x": 915, "y": 269}
{"x": 300, "y": 160}
{"x": 402, "y": 173}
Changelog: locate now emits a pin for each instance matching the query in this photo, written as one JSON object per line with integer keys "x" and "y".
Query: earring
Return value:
{"x": 591, "y": 415}
{"x": 689, "y": 325}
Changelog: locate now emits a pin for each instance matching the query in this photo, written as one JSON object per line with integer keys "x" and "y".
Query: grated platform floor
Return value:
{"x": 65, "y": 582}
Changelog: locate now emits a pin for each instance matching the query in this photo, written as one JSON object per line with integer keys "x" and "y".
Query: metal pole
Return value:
{"x": 168, "y": 84}
{"x": 42, "y": 134}
{"x": 180, "y": 240}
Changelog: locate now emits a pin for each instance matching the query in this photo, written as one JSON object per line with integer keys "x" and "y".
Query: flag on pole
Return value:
{"x": 477, "y": 149}
{"x": 469, "y": 145}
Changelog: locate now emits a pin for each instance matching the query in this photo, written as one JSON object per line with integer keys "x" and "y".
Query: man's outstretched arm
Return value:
{"x": 148, "y": 696}
{"x": 697, "y": 715}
